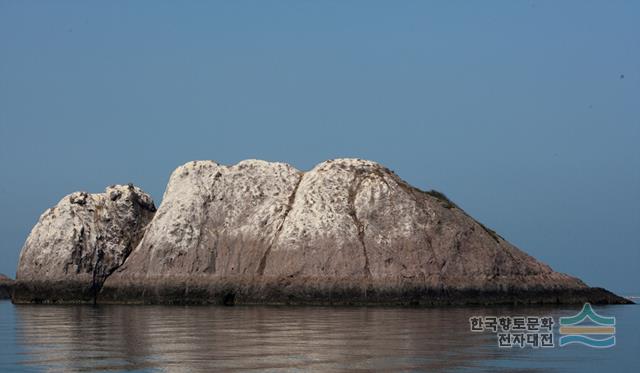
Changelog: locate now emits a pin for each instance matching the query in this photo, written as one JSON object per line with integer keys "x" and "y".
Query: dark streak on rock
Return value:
{"x": 292, "y": 199}
{"x": 353, "y": 192}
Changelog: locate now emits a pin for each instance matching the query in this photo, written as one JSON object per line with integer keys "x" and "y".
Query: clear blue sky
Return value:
{"x": 525, "y": 113}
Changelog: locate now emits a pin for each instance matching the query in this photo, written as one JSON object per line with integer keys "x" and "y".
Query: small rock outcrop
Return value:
{"x": 6, "y": 285}
{"x": 349, "y": 231}
{"x": 78, "y": 243}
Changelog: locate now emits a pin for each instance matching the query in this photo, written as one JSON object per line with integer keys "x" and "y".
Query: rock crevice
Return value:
{"x": 353, "y": 192}
{"x": 288, "y": 207}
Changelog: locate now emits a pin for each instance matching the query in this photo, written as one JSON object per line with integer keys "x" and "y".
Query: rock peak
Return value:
{"x": 78, "y": 243}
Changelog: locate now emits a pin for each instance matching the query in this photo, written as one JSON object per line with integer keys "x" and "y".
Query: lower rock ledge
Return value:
{"x": 309, "y": 292}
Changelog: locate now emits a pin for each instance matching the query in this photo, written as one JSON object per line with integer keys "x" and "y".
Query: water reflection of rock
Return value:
{"x": 74, "y": 338}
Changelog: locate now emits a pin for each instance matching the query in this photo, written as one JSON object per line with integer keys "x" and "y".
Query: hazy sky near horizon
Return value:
{"x": 525, "y": 113}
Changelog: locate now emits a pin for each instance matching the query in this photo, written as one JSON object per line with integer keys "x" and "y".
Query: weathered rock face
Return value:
{"x": 6, "y": 285}
{"x": 348, "y": 231}
{"x": 78, "y": 243}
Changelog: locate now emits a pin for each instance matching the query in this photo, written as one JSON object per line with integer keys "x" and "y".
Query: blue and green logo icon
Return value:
{"x": 587, "y": 323}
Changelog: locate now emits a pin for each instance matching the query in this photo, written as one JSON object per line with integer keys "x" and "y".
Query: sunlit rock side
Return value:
{"x": 347, "y": 232}
{"x": 78, "y": 243}
{"x": 6, "y": 285}
{"x": 216, "y": 226}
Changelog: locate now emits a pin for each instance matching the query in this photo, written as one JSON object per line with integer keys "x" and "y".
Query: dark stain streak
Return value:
{"x": 353, "y": 192}
{"x": 292, "y": 198}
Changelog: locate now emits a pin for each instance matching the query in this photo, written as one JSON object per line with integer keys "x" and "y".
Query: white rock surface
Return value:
{"x": 215, "y": 219}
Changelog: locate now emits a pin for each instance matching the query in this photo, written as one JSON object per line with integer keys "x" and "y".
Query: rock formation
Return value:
{"x": 347, "y": 232}
{"x": 78, "y": 243}
{"x": 6, "y": 285}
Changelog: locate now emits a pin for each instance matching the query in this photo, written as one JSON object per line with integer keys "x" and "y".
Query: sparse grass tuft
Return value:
{"x": 491, "y": 232}
{"x": 446, "y": 202}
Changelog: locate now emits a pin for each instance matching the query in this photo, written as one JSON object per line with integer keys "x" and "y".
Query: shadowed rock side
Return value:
{"x": 78, "y": 243}
{"x": 6, "y": 285}
{"x": 347, "y": 232}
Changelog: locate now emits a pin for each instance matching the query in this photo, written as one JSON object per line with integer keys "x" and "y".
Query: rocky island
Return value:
{"x": 6, "y": 285}
{"x": 349, "y": 231}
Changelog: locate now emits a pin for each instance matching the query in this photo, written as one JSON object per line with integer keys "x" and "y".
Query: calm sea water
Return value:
{"x": 200, "y": 338}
